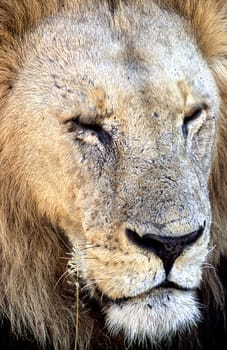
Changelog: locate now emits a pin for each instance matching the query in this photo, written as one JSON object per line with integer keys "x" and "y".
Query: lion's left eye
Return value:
{"x": 190, "y": 117}
{"x": 89, "y": 132}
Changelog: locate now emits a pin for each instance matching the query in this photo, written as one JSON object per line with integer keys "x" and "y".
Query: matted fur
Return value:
{"x": 33, "y": 296}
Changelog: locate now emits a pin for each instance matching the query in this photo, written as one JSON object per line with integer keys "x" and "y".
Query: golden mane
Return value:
{"x": 38, "y": 293}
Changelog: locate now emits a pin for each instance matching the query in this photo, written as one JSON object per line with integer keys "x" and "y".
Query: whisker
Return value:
{"x": 61, "y": 278}
{"x": 211, "y": 249}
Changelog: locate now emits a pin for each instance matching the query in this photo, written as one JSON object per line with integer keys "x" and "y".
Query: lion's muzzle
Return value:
{"x": 167, "y": 248}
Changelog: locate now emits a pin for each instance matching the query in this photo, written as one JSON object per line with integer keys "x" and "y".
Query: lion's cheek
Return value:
{"x": 116, "y": 276}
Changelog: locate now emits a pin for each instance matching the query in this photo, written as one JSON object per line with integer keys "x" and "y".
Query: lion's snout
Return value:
{"x": 167, "y": 248}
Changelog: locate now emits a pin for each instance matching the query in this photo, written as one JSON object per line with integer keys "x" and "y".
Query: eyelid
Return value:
{"x": 103, "y": 136}
{"x": 77, "y": 119}
{"x": 86, "y": 119}
{"x": 195, "y": 111}
{"x": 192, "y": 114}
{"x": 76, "y": 124}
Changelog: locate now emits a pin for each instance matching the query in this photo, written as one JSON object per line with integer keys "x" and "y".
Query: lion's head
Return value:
{"x": 112, "y": 126}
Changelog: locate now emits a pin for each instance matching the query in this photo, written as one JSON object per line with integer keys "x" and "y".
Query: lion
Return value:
{"x": 113, "y": 174}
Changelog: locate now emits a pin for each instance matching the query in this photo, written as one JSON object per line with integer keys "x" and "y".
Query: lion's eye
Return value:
{"x": 89, "y": 132}
{"x": 191, "y": 116}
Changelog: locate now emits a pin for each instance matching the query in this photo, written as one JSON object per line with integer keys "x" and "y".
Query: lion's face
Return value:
{"x": 116, "y": 135}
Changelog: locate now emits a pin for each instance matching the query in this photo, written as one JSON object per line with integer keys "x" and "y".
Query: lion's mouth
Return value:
{"x": 164, "y": 287}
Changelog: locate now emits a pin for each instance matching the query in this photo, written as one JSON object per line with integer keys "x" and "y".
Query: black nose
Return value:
{"x": 167, "y": 248}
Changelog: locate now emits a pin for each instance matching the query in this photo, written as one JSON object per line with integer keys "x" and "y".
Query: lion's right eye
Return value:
{"x": 88, "y": 132}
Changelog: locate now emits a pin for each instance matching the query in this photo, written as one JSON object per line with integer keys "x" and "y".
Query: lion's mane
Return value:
{"x": 33, "y": 295}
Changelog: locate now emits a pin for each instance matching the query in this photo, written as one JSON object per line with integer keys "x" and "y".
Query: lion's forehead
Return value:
{"x": 77, "y": 54}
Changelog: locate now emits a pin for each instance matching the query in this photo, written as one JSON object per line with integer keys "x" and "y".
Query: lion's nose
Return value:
{"x": 167, "y": 248}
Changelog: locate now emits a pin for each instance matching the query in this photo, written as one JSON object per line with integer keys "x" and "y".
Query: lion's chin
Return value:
{"x": 154, "y": 318}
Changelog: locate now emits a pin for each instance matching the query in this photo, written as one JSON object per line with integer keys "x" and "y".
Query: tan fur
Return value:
{"x": 44, "y": 225}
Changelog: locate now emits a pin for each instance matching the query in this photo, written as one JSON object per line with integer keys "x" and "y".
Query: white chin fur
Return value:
{"x": 153, "y": 318}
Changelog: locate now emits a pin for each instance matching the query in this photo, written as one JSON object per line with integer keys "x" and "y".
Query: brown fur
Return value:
{"x": 33, "y": 295}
